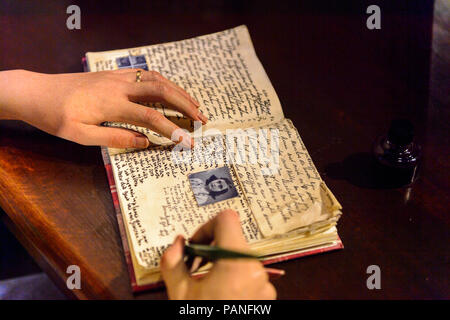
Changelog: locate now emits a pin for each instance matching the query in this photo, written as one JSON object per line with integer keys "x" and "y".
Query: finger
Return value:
{"x": 225, "y": 229}
{"x": 111, "y": 137}
{"x": 173, "y": 269}
{"x": 157, "y": 91}
{"x": 136, "y": 114}
{"x": 156, "y": 76}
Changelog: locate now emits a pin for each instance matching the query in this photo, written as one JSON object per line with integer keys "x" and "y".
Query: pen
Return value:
{"x": 213, "y": 253}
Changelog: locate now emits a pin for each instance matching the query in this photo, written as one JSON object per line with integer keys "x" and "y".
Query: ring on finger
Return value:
{"x": 139, "y": 76}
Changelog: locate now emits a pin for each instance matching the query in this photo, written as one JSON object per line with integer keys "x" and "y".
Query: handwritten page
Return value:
{"x": 220, "y": 70}
{"x": 291, "y": 194}
{"x": 275, "y": 197}
{"x": 157, "y": 202}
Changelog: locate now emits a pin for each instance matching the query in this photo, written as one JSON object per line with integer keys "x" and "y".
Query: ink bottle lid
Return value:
{"x": 398, "y": 155}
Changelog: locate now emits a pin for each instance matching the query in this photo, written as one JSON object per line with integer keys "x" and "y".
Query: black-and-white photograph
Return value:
{"x": 123, "y": 62}
{"x": 212, "y": 186}
{"x": 136, "y": 62}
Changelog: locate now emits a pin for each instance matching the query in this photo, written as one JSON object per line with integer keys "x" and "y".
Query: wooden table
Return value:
{"x": 339, "y": 82}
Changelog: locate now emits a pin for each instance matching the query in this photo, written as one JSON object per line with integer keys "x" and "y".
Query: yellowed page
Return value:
{"x": 220, "y": 70}
{"x": 157, "y": 200}
{"x": 280, "y": 192}
{"x": 285, "y": 192}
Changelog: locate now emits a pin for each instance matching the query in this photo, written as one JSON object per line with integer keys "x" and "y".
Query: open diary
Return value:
{"x": 248, "y": 157}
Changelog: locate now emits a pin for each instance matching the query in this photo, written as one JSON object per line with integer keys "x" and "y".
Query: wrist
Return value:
{"x": 20, "y": 93}
{"x": 13, "y": 84}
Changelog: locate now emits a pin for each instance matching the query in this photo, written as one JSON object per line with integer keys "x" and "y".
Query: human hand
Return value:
{"x": 228, "y": 279}
{"x": 72, "y": 106}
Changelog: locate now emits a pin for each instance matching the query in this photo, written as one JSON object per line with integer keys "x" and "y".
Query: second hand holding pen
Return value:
{"x": 213, "y": 253}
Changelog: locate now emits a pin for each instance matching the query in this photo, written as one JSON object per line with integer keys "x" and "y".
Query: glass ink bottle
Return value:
{"x": 397, "y": 155}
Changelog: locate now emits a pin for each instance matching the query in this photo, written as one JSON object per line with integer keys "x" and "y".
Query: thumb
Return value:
{"x": 225, "y": 229}
{"x": 174, "y": 271}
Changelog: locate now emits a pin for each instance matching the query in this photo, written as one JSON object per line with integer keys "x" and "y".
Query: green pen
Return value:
{"x": 213, "y": 253}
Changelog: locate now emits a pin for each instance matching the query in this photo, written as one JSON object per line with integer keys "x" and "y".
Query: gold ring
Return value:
{"x": 139, "y": 76}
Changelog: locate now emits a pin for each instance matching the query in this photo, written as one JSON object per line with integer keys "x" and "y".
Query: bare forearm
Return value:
{"x": 24, "y": 94}
{"x": 13, "y": 84}
{"x": 73, "y": 106}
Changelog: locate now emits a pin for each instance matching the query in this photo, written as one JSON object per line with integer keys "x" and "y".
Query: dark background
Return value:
{"x": 339, "y": 82}
{"x": 322, "y": 47}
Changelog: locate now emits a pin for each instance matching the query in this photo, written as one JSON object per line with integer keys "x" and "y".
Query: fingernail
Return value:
{"x": 202, "y": 117}
{"x": 141, "y": 142}
{"x": 195, "y": 102}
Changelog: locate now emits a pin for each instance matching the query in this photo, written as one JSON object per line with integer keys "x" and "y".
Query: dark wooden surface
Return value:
{"x": 339, "y": 82}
